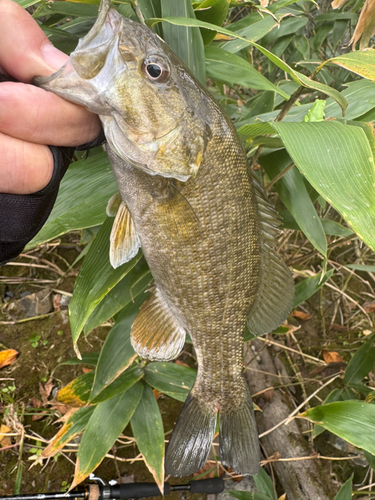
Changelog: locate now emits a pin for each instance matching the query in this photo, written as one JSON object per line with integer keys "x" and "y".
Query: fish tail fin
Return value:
{"x": 239, "y": 442}
{"x": 191, "y": 439}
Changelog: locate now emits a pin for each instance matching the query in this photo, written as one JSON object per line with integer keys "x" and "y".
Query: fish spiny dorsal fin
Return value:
{"x": 156, "y": 333}
{"x": 124, "y": 241}
{"x": 274, "y": 298}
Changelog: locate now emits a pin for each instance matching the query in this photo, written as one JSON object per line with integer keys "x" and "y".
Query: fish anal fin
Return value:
{"x": 124, "y": 241}
{"x": 191, "y": 439}
{"x": 239, "y": 443}
{"x": 275, "y": 294}
{"x": 156, "y": 333}
{"x": 113, "y": 204}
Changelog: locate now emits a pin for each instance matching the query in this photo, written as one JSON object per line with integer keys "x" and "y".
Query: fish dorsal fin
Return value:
{"x": 113, "y": 204}
{"x": 275, "y": 295}
{"x": 124, "y": 240}
{"x": 156, "y": 333}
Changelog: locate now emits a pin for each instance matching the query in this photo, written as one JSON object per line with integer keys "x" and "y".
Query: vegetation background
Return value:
{"x": 303, "y": 101}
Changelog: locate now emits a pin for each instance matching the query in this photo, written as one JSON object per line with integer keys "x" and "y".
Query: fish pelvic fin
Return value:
{"x": 275, "y": 294}
{"x": 191, "y": 439}
{"x": 124, "y": 240}
{"x": 156, "y": 334}
{"x": 239, "y": 443}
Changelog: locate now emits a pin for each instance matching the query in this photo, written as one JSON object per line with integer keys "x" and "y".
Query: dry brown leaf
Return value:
{"x": 365, "y": 28}
{"x": 301, "y": 315}
{"x": 332, "y": 357}
{"x": 178, "y": 362}
{"x": 5, "y": 441}
{"x": 86, "y": 370}
{"x": 369, "y": 307}
{"x": 156, "y": 393}
{"x": 56, "y": 302}
{"x": 338, "y": 328}
{"x": 207, "y": 467}
{"x": 8, "y": 357}
{"x": 45, "y": 390}
{"x": 36, "y": 403}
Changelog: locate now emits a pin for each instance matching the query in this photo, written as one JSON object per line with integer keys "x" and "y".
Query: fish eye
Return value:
{"x": 155, "y": 69}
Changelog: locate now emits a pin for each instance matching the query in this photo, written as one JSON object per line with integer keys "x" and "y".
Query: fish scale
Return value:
{"x": 203, "y": 222}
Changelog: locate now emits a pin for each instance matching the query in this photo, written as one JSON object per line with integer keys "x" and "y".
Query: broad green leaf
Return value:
{"x": 73, "y": 9}
{"x": 248, "y": 495}
{"x": 345, "y": 492}
{"x": 293, "y": 193}
{"x": 90, "y": 358}
{"x": 117, "y": 352}
{"x": 77, "y": 392}
{"x": 264, "y": 484}
{"x": 335, "y": 229}
{"x": 353, "y": 421}
{"x": 214, "y": 11}
{"x": 26, "y": 3}
{"x": 186, "y": 40}
{"x": 361, "y": 363}
{"x": 287, "y": 26}
{"x": 360, "y": 267}
{"x": 147, "y": 427}
{"x": 121, "y": 384}
{"x": 361, "y": 62}
{"x": 335, "y": 395}
{"x": 174, "y": 380}
{"x": 75, "y": 424}
{"x": 106, "y": 423}
{"x": 247, "y": 132}
{"x": 306, "y": 288}
{"x": 338, "y": 162}
{"x": 82, "y": 199}
{"x": 296, "y": 76}
{"x": 95, "y": 279}
{"x": 234, "y": 70}
{"x": 370, "y": 459}
{"x": 126, "y": 290}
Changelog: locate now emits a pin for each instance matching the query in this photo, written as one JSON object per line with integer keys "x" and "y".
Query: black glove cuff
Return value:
{"x": 22, "y": 216}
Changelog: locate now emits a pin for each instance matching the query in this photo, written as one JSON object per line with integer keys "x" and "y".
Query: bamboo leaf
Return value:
{"x": 117, "y": 352}
{"x": 95, "y": 279}
{"x": 77, "y": 392}
{"x": 214, "y": 11}
{"x": 293, "y": 193}
{"x": 174, "y": 380}
{"x": 351, "y": 420}
{"x": 185, "y": 40}
{"x": 264, "y": 484}
{"x": 248, "y": 495}
{"x": 306, "y": 288}
{"x": 147, "y": 426}
{"x": 106, "y": 423}
{"x": 337, "y": 160}
{"x": 234, "y": 70}
{"x": 82, "y": 199}
{"x": 361, "y": 363}
{"x": 345, "y": 492}
{"x": 361, "y": 62}
{"x": 121, "y": 384}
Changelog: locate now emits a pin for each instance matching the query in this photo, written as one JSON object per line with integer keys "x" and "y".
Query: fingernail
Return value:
{"x": 52, "y": 56}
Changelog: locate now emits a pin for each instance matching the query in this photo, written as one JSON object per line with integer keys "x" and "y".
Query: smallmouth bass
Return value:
{"x": 203, "y": 222}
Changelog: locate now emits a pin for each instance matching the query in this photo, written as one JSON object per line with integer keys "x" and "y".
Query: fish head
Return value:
{"x": 151, "y": 107}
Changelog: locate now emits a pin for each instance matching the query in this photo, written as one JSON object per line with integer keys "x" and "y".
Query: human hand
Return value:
{"x": 30, "y": 117}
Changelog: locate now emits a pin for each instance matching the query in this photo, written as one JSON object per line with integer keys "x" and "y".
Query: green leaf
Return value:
{"x": 345, "y": 492}
{"x": 335, "y": 229}
{"x": 82, "y": 199}
{"x": 117, "y": 352}
{"x": 121, "y": 384}
{"x": 106, "y": 423}
{"x": 247, "y": 132}
{"x": 296, "y": 76}
{"x": 174, "y": 380}
{"x": 147, "y": 426}
{"x": 351, "y": 420}
{"x": 361, "y": 62}
{"x": 214, "y": 11}
{"x": 77, "y": 392}
{"x": 264, "y": 484}
{"x": 306, "y": 288}
{"x": 370, "y": 459}
{"x": 186, "y": 41}
{"x": 95, "y": 279}
{"x": 293, "y": 193}
{"x": 360, "y": 267}
{"x": 90, "y": 358}
{"x": 338, "y": 162}
{"x": 248, "y": 495}
{"x": 234, "y": 70}
{"x": 73, "y": 9}
{"x": 75, "y": 424}
{"x": 361, "y": 363}
{"x": 126, "y": 290}
{"x": 335, "y": 395}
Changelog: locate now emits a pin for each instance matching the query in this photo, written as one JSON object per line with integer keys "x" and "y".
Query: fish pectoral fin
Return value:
{"x": 124, "y": 240}
{"x": 239, "y": 443}
{"x": 113, "y": 204}
{"x": 275, "y": 295}
{"x": 191, "y": 439}
{"x": 156, "y": 333}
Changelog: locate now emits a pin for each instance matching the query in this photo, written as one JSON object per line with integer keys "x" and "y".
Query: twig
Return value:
{"x": 25, "y": 320}
{"x": 311, "y": 457}
{"x": 278, "y": 176}
{"x": 290, "y": 417}
{"x": 312, "y": 358}
{"x": 351, "y": 300}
